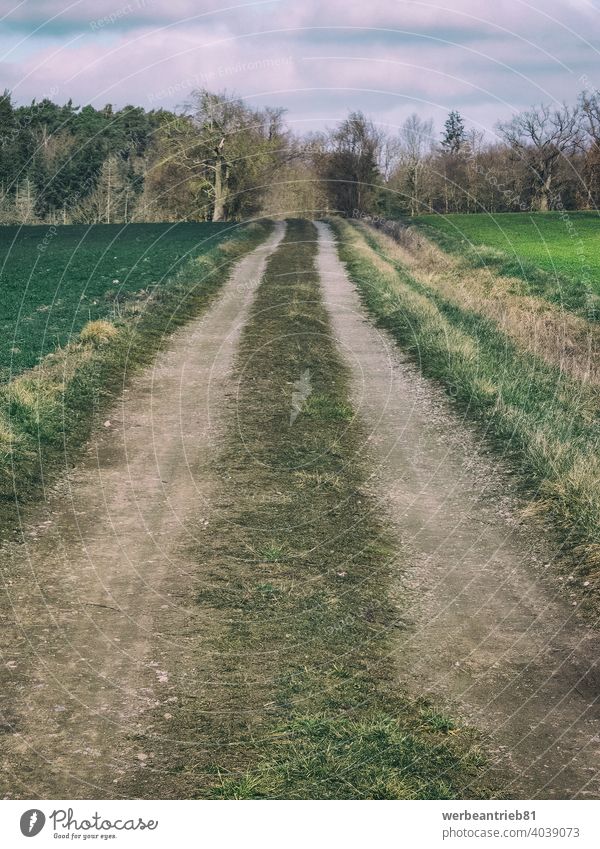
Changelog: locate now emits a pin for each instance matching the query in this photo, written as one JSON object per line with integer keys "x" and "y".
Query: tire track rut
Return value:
{"x": 489, "y": 634}
{"x": 97, "y": 596}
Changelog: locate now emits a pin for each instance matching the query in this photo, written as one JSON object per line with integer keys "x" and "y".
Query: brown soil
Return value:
{"x": 490, "y": 632}
{"x": 98, "y": 603}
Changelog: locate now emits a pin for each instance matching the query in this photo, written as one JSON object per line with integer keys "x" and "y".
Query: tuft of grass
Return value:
{"x": 10, "y": 442}
{"x": 327, "y": 408}
{"x": 332, "y": 757}
{"x": 98, "y": 332}
{"x": 272, "y": 553}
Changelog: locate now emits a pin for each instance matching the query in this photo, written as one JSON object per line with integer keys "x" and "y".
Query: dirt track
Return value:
{"x": 98, "y": 590}
{"x": 488, "y": 633}
{"x": 98, "y": 619}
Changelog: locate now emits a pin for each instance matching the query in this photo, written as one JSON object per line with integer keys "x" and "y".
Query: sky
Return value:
{"x": 318, "y": 58}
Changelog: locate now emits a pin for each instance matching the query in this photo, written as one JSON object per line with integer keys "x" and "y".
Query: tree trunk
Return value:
{"x": 414, "y": 201}
{"x": 108, "y": 189}
{"x": 220, "y": 191}
{"x": 546, "y": 194}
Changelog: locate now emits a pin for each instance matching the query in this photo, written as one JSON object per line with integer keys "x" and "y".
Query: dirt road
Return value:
{"x": 97, "y": 591}
{"x": 488, "y": 633}
{"x": 100, "y": 623}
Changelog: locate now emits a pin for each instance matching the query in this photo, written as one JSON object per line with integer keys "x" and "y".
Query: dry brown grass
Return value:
{"x": 560, "y": 338}
{"x": 98, "y": 332}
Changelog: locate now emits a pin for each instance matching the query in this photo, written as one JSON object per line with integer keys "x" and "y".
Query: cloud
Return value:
{"x": 152, "y": 70}
{"x": 386, "y": 57}
{"x": 60, "y": 16}
{"x": 416, "y": 13}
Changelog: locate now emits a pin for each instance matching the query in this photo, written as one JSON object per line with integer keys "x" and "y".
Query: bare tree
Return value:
{"x": 416, "y": 142}
{"x": 25, "y": 202}
{"x": 108, "y": 202}
{"x": 349, "y": 163}
{"x": 542, "y": 137}
{"x": 390, "y": 154}
{"x": 589, "y": 104}
{"x": 227, "y": 150}
{"x": 219, "y": 120}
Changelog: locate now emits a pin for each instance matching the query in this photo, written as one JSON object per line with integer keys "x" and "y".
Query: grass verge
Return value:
{"x": 294, "y": 583}
{"x": 46, "y": 413}
{"x": 545, "y": 420}
{"x": 562, "y": 339}
{"x": 553, "y": 255}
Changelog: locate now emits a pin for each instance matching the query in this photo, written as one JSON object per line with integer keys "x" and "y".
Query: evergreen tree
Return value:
{"x": 454, "y": 135}
{"x": 8, "y": 140}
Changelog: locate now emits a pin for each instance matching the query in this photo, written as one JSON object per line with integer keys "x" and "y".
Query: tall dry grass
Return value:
{"x": 560, "y": 338}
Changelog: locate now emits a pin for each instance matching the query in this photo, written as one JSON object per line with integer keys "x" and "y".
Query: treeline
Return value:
{"x": 65, "y": 164}
{"x": 220, "y": 159}
{"x": 544, "y": 158}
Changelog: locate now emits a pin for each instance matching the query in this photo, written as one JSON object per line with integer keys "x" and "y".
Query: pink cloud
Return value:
{"x": 155, "y": 71}
{"x": 271, "y": 50}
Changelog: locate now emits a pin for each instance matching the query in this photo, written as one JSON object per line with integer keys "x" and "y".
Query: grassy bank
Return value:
{"x": 566, "y": 341}
{"x": 294, "y": 693}
{"x": 554, "y": 255}
{"x": 544, "y": 419}
{"x": 46, "y": 412}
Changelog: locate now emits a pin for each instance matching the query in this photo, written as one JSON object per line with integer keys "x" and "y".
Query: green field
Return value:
{"x": 54, "y": 280}
{"x": 136, "y": 285}
{"x": 557, "y": 255}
